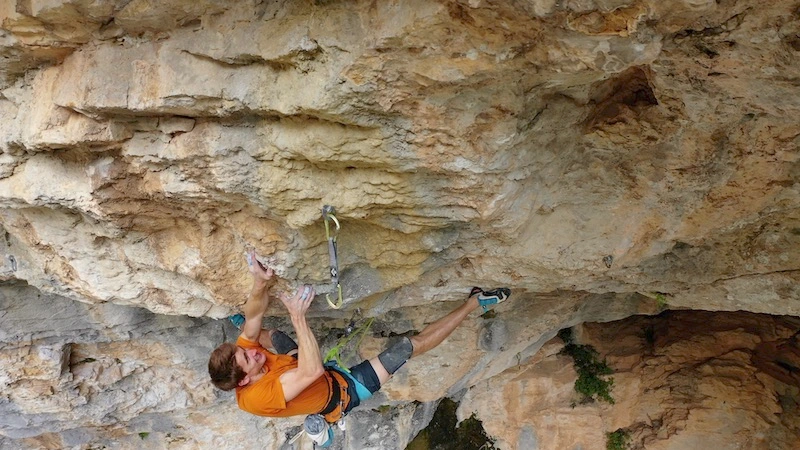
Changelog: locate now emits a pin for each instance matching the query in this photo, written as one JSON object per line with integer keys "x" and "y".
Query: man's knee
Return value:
{"x": 282, "y": 343}
{"x": 395, "y": 356}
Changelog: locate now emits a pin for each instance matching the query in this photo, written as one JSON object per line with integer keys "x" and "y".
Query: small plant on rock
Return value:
{"x": 659, "y": 297}
{"x": 593, "y": 382}
{"x": 661, "y": 301}
{"x": 617, "y": 440}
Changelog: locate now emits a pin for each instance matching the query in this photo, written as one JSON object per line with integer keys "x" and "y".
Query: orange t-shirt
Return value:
{"x": 265, "y": 396}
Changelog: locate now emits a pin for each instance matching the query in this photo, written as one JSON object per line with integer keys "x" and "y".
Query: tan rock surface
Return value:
{"x": 588, "y": 154}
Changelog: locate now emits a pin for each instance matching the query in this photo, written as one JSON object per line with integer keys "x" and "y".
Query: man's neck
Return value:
{"x": 258, "y": 376}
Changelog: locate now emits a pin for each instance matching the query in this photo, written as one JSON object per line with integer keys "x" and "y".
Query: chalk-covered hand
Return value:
{"x": 298, "y": 304}
{"x": 258, "y": 270}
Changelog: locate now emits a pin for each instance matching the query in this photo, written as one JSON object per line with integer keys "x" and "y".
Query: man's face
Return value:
{"x": 250, "y": 360}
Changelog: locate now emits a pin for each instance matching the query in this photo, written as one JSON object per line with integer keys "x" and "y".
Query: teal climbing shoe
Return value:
{"x": 490, "y": 297}
{"x": 237, "y": 320}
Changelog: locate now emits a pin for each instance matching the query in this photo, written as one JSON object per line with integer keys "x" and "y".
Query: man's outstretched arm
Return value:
{"x": 309, "y": 360}
{"x": 258, "y": 301}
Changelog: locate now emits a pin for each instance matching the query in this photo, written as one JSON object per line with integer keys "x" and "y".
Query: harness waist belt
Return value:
{"x": 336, "y": 396}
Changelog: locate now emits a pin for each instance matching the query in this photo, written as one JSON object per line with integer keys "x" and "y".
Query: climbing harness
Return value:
{"x": 329, "y": 215}
{"x": 319, "y": 427}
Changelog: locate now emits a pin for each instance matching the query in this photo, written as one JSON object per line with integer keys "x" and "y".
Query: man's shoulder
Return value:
{"x": 262, "y": 397}
{"x": 243, "y": 342}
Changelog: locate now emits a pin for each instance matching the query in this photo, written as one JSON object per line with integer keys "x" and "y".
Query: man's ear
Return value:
{"x": 245, "y": 380}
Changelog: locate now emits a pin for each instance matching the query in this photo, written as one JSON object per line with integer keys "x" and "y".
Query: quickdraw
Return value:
{"x": 329, "y": 215}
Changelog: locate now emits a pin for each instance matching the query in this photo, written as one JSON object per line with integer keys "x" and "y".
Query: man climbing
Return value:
{"x": 294, "y": 381}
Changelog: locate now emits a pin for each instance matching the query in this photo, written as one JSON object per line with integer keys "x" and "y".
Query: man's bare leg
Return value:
{"x": 436, "y": 332}
{"x": 432, "y": 335}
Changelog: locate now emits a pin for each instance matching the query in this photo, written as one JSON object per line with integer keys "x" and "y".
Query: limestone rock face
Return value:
{"x": 682, "y": 380}
{"x": 601, "y": 158}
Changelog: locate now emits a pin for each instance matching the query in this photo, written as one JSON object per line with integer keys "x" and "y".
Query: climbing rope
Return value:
{"x": 331, "y": 233}
{"x": 335, "y": 354}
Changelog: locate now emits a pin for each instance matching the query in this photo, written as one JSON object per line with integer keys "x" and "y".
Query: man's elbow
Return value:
{"x": 318, "y": 371}
{"x": 312, "y": 373}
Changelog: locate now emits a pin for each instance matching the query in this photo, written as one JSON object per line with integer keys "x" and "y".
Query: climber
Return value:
{"x": 294, "y": 380}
